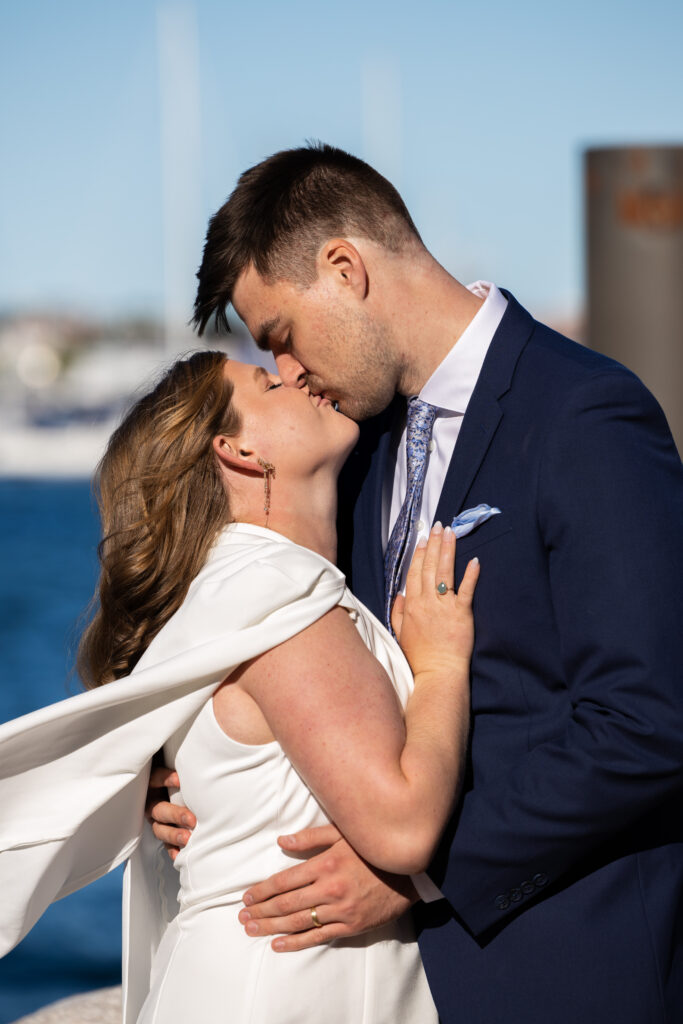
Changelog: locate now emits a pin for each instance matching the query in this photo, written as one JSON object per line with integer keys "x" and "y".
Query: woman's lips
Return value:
{"x": 322, "y": 399}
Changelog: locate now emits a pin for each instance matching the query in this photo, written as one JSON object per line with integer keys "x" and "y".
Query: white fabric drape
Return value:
{"x": 73, "y": 776}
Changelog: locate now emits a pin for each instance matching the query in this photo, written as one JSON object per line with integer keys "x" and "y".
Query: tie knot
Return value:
{"x": 421, "y": 417}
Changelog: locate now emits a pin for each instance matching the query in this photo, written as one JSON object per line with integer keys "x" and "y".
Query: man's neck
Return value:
{"x": 435, "y": 311}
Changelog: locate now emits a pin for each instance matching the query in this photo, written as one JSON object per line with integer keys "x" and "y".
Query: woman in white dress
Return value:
{"x": 218, "y": 502}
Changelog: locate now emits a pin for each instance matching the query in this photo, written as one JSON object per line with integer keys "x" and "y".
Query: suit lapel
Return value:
{"x": 376, "y": 555}
{"x": 478, "y": 428}
{"x": 484, "y": 411}
{"x": 369, "y": 466}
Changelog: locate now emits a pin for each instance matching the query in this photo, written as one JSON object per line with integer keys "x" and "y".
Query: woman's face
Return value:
{"x": 296, "y": 431}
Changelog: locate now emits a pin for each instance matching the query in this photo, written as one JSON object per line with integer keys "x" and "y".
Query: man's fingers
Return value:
{"x": 171, "y": 836}
{"x": 163, "y": 777}
{"x": 170, "y": 824}
{"x": 287, "y": 904}
{"x": 163, "y": 812}
{"x": 309, "y": 939}
{"x": 311, "y": 838}
{"x": 297, "y": 931}
{"x": 291, "y": 878}
{"x": 301, "y": 921}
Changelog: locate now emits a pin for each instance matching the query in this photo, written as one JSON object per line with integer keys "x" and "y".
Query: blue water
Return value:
{"x": 48, "y": 537}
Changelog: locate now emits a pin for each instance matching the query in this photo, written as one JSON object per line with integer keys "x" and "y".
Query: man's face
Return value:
{"x": 323, "y": 336}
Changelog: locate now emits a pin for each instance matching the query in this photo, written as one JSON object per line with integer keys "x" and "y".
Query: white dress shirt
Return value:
{"x": 449, "y": 388}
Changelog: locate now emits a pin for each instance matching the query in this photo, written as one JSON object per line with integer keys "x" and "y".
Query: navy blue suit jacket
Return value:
{"x": 563, "y": 866}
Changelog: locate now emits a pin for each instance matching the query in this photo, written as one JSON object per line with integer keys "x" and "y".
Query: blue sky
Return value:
{"x": 479, "y": 113}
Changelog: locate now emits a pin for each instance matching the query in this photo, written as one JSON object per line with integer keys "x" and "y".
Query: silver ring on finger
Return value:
{"x": 442, "y": 588}
{"x": 314, "y": 918}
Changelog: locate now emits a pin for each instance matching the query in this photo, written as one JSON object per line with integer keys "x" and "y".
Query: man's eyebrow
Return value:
{"x": 264, "y": 332}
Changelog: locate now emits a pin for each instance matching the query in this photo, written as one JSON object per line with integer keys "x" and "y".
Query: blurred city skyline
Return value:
{"x": 125, "y": 126}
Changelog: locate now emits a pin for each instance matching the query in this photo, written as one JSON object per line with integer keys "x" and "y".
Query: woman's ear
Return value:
{"x": 232, "y": 456}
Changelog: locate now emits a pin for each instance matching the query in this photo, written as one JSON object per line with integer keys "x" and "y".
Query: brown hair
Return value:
{"x": 283, "y": 210}
{"x": 162, "y": 502}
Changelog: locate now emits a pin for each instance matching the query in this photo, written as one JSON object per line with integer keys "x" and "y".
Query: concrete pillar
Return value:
{"x": 634, "y": 216}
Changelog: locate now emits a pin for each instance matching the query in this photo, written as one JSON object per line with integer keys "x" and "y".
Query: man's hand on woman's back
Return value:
{"x": 351, "y": 896}
{"x": 171, "y": 823}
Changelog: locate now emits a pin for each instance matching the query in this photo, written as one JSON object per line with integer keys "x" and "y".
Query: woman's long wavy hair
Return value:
{"x": 162, "y": 502}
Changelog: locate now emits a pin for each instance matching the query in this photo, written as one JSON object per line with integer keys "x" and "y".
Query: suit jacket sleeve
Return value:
{"x": 610, "y": 511}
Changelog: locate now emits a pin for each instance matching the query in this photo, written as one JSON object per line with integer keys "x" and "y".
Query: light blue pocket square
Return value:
{"x": 471, "y": 518}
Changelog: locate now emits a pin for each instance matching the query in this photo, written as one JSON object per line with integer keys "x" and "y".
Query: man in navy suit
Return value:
{"x": 557, "y": 892}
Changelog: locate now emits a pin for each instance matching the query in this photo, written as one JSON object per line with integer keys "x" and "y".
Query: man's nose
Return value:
{"x": 291, "y": 372}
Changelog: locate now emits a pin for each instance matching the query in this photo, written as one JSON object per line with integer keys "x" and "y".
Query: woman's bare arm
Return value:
{"x": 387, "y": 783}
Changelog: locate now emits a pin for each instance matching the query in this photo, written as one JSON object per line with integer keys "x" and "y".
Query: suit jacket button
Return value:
{"x": 527, "y": 888}
{"x": 515, "y": 895}
{"x": 540, "y": 880}
{"x": 502, "y": 902}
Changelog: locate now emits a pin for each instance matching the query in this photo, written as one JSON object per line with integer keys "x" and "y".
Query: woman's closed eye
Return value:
{"x": 271, "y": 387}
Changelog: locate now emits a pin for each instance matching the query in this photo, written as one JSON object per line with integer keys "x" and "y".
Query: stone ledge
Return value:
{"x": 103, "y": 1006}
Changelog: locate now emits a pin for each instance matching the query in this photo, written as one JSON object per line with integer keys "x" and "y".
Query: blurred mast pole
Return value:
{"x": 178, "y": 46}
{"x": 382, "y": 116}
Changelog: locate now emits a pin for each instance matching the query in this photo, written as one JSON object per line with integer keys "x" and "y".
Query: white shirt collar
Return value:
{"x": 451, "y": 385}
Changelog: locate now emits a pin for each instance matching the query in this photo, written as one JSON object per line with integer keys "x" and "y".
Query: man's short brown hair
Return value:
{"x": 283, "y": 210}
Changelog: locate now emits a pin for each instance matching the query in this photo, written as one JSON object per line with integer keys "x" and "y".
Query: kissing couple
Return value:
{"x": 404, "y": 621}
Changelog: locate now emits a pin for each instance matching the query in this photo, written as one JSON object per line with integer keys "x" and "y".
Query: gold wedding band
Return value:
{"x": 314, "y": 917}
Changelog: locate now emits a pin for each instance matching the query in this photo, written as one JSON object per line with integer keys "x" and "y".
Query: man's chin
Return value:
{"x": 360, "y": 409}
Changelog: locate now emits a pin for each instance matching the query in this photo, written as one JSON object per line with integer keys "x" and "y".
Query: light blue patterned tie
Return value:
{"x": 421, "y": 417}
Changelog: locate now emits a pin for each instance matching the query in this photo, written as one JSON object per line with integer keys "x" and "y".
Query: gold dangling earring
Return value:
{"x": 268, "y": 476}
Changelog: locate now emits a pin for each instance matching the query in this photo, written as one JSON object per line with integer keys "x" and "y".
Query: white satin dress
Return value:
{"x": 206, "y": 968}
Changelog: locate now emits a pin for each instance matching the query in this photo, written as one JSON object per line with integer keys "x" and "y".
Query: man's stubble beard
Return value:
{"x": 370, "y": 367}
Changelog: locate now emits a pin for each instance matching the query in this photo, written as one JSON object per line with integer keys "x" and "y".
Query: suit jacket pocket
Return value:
{"x": 488, "y": 531}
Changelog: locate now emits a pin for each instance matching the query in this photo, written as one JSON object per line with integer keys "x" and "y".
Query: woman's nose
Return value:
{"x": 292, "y": 373}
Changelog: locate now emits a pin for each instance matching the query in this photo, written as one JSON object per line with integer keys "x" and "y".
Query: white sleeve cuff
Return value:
{"x": 425, "y": 888}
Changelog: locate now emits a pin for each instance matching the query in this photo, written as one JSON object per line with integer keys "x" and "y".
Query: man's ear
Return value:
{"x": 232, "y": 456}
{"x": 340, "y": 261}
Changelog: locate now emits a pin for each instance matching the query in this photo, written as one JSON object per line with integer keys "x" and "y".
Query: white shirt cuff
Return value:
{"x": 425, "y": 888}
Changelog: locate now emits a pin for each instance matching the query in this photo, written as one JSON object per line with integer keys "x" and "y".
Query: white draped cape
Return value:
{"x": 73, "y": 776}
